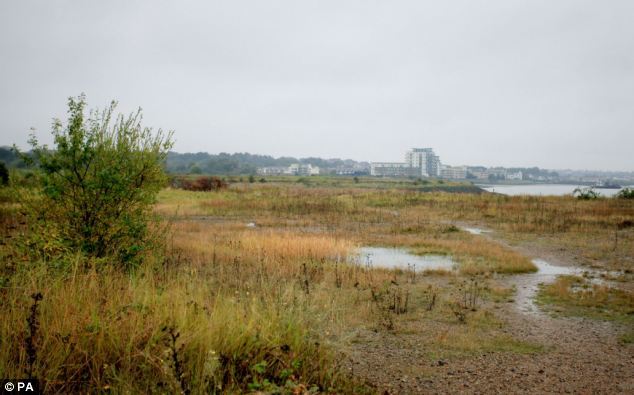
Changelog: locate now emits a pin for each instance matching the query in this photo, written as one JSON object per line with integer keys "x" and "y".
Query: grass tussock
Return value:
{"x": 479, "y": 256}
{"x": 573, "y": 295}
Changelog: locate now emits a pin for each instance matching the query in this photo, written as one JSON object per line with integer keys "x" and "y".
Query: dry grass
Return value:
{"x": 109, "y": 330}
{"x": 479, "y": 256}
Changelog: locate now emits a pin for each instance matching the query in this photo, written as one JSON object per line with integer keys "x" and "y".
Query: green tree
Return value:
{"x": 4, "y": 174}
{"x": 100, "y": 180}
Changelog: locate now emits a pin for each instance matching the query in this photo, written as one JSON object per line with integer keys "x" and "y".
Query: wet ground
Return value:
{"x": 579, "y": 355}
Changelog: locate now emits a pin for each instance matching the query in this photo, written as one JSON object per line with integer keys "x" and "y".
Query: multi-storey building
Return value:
{"x": 419, "y": 162}
{"x": 425, "y": 160}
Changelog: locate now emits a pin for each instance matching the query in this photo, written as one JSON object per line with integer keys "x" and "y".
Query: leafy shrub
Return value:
{"x": 626, "y": 193}
{"x": 585, "y": 194}
{"x": 100, "y": 180}
{"x": 200, "y": 184}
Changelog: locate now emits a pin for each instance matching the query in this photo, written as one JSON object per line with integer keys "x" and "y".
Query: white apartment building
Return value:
{"x": 419, "y": 162}
{"x": 425, "y": 160}
{"x": 296, "y": 169}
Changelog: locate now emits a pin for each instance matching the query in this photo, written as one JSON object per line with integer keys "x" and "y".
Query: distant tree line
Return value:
{"x": 238, "y": 163}
{"x": 10, "y": 158}
{"x": 205, "y": 163}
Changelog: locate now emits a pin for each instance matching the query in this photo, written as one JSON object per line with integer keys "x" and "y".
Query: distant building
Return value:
{"x": 419, "y": 162}
{"x": 496, "y": 173}
{"x": 480, "y": 175}
{"x": 393, "y": 169}
{"x": 454, "y": 172}
{"x": 271, "y": 171}
{"x": 514, "y": 175}
{"x": 356, "y": 170}
{"x": 425, "y": 160}
{"x": 296, "y": 169}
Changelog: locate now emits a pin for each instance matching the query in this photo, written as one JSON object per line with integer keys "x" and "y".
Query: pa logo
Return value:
{"x": 28, "y": 386}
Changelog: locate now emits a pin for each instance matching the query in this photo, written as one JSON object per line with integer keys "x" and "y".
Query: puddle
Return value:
{"x": 527, "y": 285}
{"x": 546, "y": 269}
{"x": 475, "y": 231}
{"x": 399, "y": 258}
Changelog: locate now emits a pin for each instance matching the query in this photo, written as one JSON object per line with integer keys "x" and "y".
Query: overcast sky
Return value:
{"x": 510, "y": 83}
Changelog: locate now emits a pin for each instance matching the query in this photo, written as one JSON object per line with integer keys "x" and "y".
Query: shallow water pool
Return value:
{"x": 399, "y": 258}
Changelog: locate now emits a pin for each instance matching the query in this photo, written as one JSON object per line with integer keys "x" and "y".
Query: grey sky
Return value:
{"x": 511, "y": 83}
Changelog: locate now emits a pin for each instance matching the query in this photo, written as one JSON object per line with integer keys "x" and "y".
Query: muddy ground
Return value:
{"x": 579, "y": 355}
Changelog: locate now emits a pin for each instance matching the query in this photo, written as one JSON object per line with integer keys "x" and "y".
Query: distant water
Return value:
{"x": 544, "y": 189}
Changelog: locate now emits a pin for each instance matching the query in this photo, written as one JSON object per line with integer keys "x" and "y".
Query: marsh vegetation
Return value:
{"x": 248, "y": 287}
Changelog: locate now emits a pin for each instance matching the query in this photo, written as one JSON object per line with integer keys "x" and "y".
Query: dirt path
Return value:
{"x": 580, "y": 355}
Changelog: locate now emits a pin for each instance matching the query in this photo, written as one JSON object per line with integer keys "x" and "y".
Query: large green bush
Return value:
{"x": 100, "y": 180}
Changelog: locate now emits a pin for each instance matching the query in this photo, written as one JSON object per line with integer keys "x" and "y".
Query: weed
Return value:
{"x": 471, "y": 291}
{"x": 429, "y": 298}
{"x": 459, "y": 312}
{"x": 382, "y": 309}
{"x": 172, "y": 336}
{"x": 33, "y": 324}
{"x": 338, "y": 280}
{"x": 400, "y": 300}
{"x": 304, "y": 282}
{"x": 411, "y": 273}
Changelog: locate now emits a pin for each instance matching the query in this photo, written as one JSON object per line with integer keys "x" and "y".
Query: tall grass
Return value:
{"x": 110, "y": 330}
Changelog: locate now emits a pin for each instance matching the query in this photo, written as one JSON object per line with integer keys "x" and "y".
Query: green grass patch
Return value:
{"x": 575, "y": 296}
